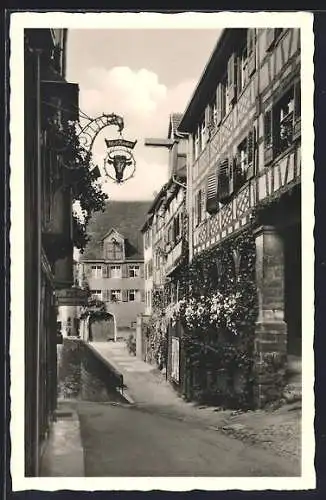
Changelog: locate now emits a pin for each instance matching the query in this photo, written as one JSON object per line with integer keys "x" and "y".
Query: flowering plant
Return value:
{"x": 174, "y": 311}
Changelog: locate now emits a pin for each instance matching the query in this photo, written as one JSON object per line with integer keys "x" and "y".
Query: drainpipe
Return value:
{"x": 39, "y": 252}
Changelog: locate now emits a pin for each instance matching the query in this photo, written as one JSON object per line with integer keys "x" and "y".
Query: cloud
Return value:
{"x": 145, "y": 103}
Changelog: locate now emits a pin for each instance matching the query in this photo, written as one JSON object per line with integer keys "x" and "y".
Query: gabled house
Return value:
{"x": 113, "y": 263}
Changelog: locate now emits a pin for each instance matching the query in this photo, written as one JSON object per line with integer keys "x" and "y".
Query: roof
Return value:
{"x": 126, "y": 217}
{"x": 175, "y": 119}
{"x": 214, "y": 69}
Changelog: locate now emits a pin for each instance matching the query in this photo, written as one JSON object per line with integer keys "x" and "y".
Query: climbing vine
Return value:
{"x": 80, "y": 175}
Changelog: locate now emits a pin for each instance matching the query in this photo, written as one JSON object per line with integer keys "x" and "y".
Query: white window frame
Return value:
{"x": 135, "y": 294}
{"x": 115, "y": 267}
{"x": 115, "y": 295}
{"x": 96, "y": 271}
{"x": 134, "y": 268}
{"x": 96, "y": 294}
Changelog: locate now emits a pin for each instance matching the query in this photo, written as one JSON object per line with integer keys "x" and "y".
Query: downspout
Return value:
{"x": 39, "y": 253}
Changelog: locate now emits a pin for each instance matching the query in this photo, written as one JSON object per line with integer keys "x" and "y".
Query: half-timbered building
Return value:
{"x": 244, "y": 171}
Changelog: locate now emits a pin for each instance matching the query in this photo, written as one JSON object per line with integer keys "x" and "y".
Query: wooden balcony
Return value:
{"x": 174, "y": 256}
{"x": 284, "y": 173}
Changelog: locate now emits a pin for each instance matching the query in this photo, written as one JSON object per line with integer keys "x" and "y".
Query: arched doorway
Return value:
{"x": 102, "y": 328}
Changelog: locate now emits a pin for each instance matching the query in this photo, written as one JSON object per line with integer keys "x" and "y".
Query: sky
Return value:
{"x": 142, "y": 75}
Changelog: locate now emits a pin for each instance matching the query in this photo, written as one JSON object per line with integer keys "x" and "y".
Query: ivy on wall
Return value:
{"x": 218, "y": 311}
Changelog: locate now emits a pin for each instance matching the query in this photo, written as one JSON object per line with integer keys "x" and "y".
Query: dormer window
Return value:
{"x": 114, "y": 250}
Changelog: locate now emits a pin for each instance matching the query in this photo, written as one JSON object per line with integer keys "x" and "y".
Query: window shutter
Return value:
{"x": 223, "y": 186}
{"x": 88, "y": 271}
{"x": 106, "y": 295}
{"x": 208, "y": 120}
{"x": 297, "y": 110}
{"x": 124, "y": 295}
{"x": 251, "y": 153}
{"x": 141, "y": 270}
{"x": 124, "y": 270}
{"x": 251, "y": 46}
{"x": 219, "y": 104}
{"x": 270, "y": 37}
{"x": 105, "y": 271}
{"x": 142, "y": 295}
{"x": 232, "y": 77}
{"x": 268, "y": 135}
{"x": 211, "y": 192}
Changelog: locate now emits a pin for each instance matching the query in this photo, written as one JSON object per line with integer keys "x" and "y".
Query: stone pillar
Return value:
{"x": 270, "y": 332}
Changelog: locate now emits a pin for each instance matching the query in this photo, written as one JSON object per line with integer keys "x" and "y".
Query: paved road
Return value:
{"x": 125, "y": 440}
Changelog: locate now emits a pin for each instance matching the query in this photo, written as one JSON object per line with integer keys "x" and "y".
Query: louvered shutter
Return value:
{"x": 270, "y": 37}
{"x": 208, "y": 120}
{"x": 251, "y": 154}
{"x": 88, "y": 270}
{"x": 232, "y": 77}
{"x": 297, "y": 110}
{"x": 125, "y": 270}
{"x": 105, "y": 271}
{"x": 124, "y": 294}
{"x": 268, "y": 136}
{"x": 219, "y": 112}
{"x": 251, "y": 45}
{"x": 106, "y": 295}
{"x": 203, "y": 205}
{"x": 223, "y": 186}
{"x": 141, "y": 270}
{"x": 211, "y": 192}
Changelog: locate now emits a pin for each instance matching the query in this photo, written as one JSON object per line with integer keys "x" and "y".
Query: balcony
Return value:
{"x": 174, "y": 256}
{"x": 234, "y": 215}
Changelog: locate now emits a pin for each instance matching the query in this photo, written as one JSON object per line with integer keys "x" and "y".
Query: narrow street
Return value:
{"x": 122, "y": 440}
{"x": 159, "y": 434}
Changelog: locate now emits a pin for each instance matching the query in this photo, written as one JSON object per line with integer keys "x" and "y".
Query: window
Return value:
{"x": 243, "y": 67}
{"x": 115, "y": 295}
{"x": 176, "y": 228}
{"x": 96, "y": 294}
{"x": 133, "y": 295}
{"x": 115, "y": 271}
{"x": 245, "y": 160}
{"x": 114, "y": 250}
{"x": 96, "y": 271}
{"x": 280, "y": 123}
{"x": 134, "y": 271}
{"x": 198, "y": 207}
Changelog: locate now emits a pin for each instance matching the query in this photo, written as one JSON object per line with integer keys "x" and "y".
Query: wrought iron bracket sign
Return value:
{"x": 88, "y": 128}
{"x": 120, "y": 157}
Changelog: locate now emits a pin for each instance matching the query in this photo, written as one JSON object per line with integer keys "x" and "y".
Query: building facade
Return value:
{"x": 244, "y": 172}
{"x": 48, "y": 249}
{"x": 165, "y": 235}
{"x": 113, "y": 269}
